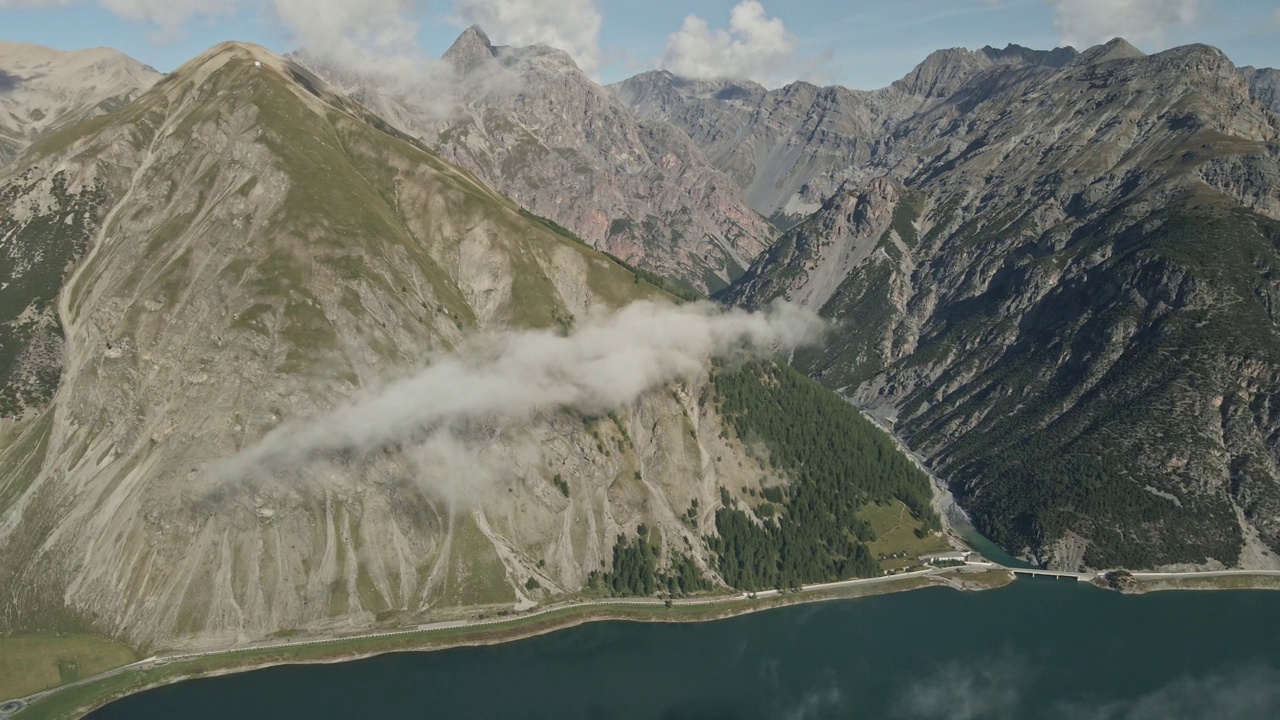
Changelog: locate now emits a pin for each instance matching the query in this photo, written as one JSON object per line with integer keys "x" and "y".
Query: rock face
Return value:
{"x": 790, "y": 149}
{"x": 255, "y": 248}
{"x": 1264, "y": 86}
{"x": 1061, "y": 288}
{"x": 42, "y": 90}
{"x": 535, "y": 127}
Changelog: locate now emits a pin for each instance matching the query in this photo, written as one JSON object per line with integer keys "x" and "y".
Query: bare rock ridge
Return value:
{"x": 251, "y": 217}
{"x": 791, "y": 148}
{"x": 1264, "y": 86}
{"x": 1070, "y": 308}
{"x": 534, "y": 126}
{"x": 42, "y": 90}
{"x": 470, "y": 50}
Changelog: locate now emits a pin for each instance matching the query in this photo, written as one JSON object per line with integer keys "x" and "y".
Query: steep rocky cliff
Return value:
{"x": 790, "y": 149}
{"x": 1264, "y": 85}
{"x": 535, "y": 127}
{"x": 1063, "y": 292}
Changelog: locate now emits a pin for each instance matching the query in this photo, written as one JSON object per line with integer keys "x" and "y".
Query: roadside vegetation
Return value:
{"x": 31, "y": 663}
{"x": 1213, "y": 582}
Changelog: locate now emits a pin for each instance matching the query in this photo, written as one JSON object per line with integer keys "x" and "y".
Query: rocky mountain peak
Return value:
{"x": 1264, "y": 85}
{"x": 1204, "y": 60}
{"x": 943, "y": 72}
{"x": 1017, "y": 54}
{"x": 1116, "y": 49}
{"x": 470, "y": 50}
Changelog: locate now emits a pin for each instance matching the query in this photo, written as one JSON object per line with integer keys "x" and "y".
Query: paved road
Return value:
{"x": 623, "y": 602}
{"x": 1202, "y": 573}
{"x": 1081, "y": 577}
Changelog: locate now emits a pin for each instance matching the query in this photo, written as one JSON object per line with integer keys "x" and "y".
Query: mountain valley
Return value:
{"x": 290, "y": 350}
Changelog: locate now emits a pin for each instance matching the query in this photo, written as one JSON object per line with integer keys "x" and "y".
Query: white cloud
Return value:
{"x": 1084, "y": 23}
{"x": 451, "y": 414}
{"x": 754, "y": 47}
{"x": 167, "y": 15}
{"x": 570, "y": 25}
{"x": 966, "y": 692}
{"x": 377, "y": 38}
{"x": 1242, "y": 694}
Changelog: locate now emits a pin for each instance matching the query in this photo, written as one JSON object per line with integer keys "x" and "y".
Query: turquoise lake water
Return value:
{"x": 1049, "y": 649}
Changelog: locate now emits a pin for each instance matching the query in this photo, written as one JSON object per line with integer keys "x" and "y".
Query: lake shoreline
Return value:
{"x": 81, "y": 700}
{"x": 76, "y": 701}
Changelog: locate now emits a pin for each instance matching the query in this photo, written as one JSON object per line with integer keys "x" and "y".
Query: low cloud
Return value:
{"x": 570, "y": 25}
{"x": 991, "y": 691}
{"x": 376, "y": 39}
{"x": 451, "y": 415}
{"x": 753, "y": 47}
{"x": 376, "y": 42}
{"x": 815, "y": 703}
{"x": 1084, "y": 23}
{"x": 1003, "y": 688}
{"x": 1244, "y": 694}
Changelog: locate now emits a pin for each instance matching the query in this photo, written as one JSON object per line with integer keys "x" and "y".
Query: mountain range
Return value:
{"x": 1052, "y": 274}
{"x": 1063, "y": 295}
{"x": 283, "y": 369}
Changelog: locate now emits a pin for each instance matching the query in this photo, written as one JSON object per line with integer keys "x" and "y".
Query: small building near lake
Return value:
{"x": 955, "y": 556}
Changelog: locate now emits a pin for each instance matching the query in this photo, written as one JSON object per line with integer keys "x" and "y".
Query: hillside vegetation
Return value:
{"x": 835, "y": 462}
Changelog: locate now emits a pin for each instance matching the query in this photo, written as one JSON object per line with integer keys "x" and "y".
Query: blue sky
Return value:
{"x": 850, "y": 42}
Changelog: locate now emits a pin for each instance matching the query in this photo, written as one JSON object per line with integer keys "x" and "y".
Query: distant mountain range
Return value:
{"x": 42, "y": 90}
{"x": 535, "y": 127}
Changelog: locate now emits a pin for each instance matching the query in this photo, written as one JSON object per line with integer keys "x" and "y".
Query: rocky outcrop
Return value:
{"x": 1264, "y": 86}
